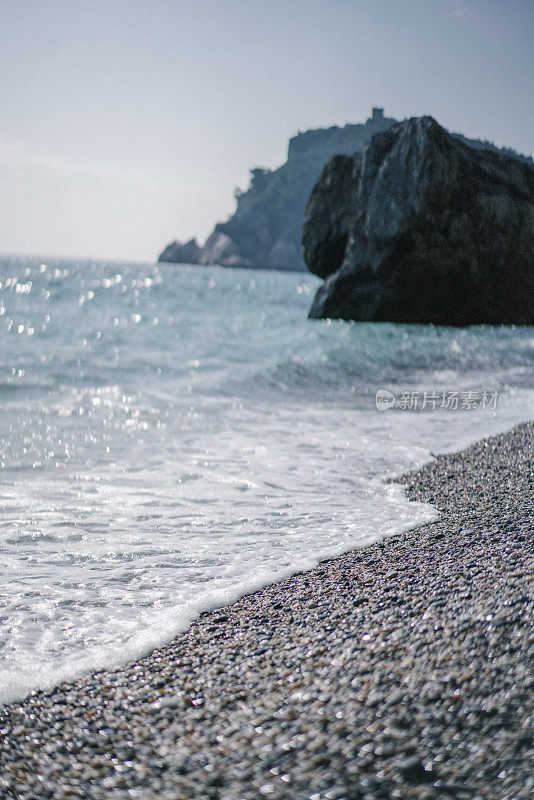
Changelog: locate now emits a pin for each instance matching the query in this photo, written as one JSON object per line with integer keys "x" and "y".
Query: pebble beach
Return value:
{"x": 400, "y": 670}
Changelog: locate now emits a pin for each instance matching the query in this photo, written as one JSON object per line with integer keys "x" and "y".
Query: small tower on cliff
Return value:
{"x": 378, "y": 113}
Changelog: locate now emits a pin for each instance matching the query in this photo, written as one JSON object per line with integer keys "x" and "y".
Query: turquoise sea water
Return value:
{"x": 174, "y": 436}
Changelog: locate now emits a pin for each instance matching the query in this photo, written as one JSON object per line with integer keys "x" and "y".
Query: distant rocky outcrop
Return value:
{"x": 422, "y": 226}
{"x": 266, "y": 228}
{"x": 179, "y": 253}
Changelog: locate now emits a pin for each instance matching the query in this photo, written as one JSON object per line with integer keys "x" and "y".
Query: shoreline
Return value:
{"x": 397, "y": 670}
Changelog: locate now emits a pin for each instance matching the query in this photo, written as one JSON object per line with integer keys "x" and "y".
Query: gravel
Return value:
{"x": 401, "y": 670}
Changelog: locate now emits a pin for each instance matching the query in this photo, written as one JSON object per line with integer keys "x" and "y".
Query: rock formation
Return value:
{"x": 423, "y": 227}
{"x": 266, "y": 228}
{"x": 179, "y": 253}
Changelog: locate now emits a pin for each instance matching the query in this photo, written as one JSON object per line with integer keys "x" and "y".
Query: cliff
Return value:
{"x": 266, "y": 228}
{"x": 421, "y": 226}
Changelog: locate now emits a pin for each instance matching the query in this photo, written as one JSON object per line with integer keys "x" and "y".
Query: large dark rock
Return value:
{"x": 423, "y": 227}
{"x": 266, "y": 228}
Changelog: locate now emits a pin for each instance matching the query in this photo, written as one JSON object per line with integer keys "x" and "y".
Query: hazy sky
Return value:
{"x": 127, "y": 123}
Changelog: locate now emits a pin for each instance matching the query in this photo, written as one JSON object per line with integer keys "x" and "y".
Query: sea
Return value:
{"x": 173, "y": 437}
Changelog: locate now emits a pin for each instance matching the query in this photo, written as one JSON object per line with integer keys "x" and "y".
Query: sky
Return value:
{"x": 126, "y": 124}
